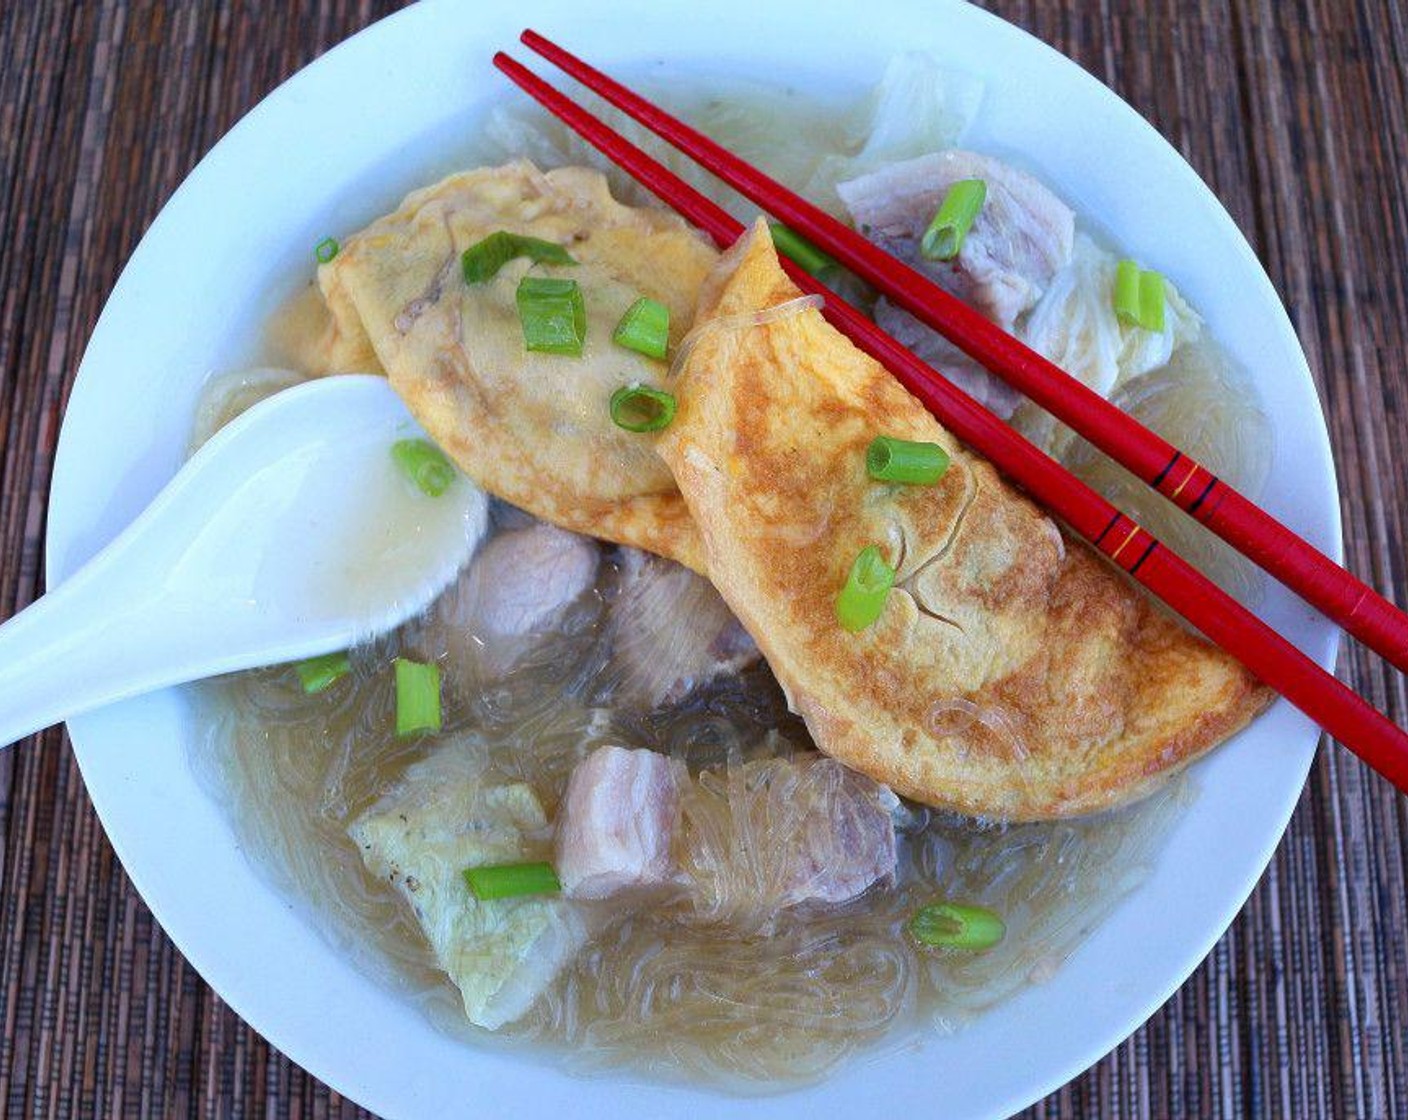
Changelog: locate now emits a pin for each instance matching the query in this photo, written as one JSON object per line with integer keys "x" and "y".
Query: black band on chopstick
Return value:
{"x": 1134, "y": 568}
{"x": 1163, "y": 474}
{"x": 1105, "y": 532}
{"x": 1201, "y": 498}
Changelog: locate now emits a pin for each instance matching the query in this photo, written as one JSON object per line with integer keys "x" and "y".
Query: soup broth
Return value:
{"x": 665, "y": 990}
{"x": 655, "y": 989}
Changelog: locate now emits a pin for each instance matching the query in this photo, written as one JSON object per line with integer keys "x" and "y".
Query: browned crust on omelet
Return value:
{"x": 1013, "y": 673}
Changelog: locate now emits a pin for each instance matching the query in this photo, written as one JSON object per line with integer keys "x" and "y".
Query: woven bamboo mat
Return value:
{"x": 1296, "y": 111}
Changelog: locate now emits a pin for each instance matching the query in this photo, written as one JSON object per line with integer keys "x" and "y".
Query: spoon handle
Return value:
{"x": 291, "y": 533}
{"x": 86, "y": 643}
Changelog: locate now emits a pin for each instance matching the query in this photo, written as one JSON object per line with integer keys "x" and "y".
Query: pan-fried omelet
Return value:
{"x": 1013, "y": 673}
{"x": 572, "y": 787}
{"x": 531, "y": 428}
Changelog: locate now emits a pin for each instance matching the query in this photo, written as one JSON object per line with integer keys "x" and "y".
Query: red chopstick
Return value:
{"x": 1226, "y": 622}
{"x": 1355, "y": 606}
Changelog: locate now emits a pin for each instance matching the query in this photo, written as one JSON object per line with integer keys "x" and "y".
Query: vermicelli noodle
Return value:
{"x": 741, "y": 981}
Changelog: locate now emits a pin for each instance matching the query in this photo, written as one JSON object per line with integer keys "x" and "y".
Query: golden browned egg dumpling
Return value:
{"x": 533, "y": 428}
{"x": 1012, "y": 672}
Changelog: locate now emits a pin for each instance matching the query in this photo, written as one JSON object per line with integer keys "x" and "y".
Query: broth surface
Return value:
{"x": 656, "y": 990}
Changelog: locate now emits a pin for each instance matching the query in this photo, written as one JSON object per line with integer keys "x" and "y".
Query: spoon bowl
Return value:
{"x": 291, "y": 533}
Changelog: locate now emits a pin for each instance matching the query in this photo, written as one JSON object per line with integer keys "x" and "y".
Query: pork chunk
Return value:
{"x": 617, "y": 822}
{"x": 778, "y": 833}
{"x": 849, "y": 845}
{"x": 531, "y": 576}
{"x": 512, "y": 598}
{"x": 1022, "y": 236}
{"x": 671, "y": 632}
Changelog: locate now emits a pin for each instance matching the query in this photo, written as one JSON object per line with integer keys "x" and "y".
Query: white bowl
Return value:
{"x": 339, "y": 143}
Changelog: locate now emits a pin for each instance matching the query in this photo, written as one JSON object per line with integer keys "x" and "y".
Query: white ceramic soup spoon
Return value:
{"x": 292, "y": 532}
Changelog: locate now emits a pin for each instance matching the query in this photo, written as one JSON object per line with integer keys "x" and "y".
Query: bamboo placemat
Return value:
{"x": 1296, "y": 111}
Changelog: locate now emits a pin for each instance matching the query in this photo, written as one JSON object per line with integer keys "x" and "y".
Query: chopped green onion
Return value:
{"x": 951, "y": 925}
{"x": 867, "y": 587}
{"x": 801, "y": 251}
{"x": 424, "y": 464}
{"x": 812, "y": 260}
{"x": 1127, "y": 293}
{"x": 326, "y": 249}
{"x": 482, "y": 260}
{"x": 417, "y": 697}
{"x": 510, "y": 880}
{"x": 905, "y": 460}
{"x": 943, "y": 240}
{"x": 318, "y": 673}
{"x": 1152, "y": 300}
{"x": 639, "y": 408}
{"x": 553, "y": 315}
{"x": 1140, "y": 296}
{"x": 645, "y": 328}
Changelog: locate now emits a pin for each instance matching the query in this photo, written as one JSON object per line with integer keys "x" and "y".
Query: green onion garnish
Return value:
{"x": 318, "y": 673}
{"x": 645, "y": 328}
{"x": 424, "y": 464}
{"x": 801, "y": 251}
{"x": 1127, "y": 293}
{"x": 417, "y": 697}
{"x": 1152, "y": 300}
{"x": 639, "y": 408}
{"x": 509, "y": 880}
{"x": 943, "y": 240}
{"x": 482, "y": 260}
{"x": 326, "y": 249}
{"x": 904, "y": 460}
{"x": 951, "y": 925}
{"x": 1139, "y": 296}
{"x": 867, "y": 587}
{"x": 553, "y": 315}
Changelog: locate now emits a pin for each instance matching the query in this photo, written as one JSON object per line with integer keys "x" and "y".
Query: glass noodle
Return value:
{"x": 670, "y": 991}
{"x": 666, "y": 991}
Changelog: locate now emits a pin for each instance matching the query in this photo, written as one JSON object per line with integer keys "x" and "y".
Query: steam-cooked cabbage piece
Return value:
{"x": 1074, "y": 324}
{"x": 917, "y": 106}
{"x": 440, "y": 819}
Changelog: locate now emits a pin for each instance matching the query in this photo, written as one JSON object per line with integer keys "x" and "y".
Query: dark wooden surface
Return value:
{"x": 1296, "y": 111}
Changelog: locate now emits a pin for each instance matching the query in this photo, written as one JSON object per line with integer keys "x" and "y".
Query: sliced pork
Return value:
{"x": 766, "y": 836}
{"x": 515, "y": 594}
{"x": 617, "y": 823}
{"x": 1022, "y": 237}
{"x": 671, "y": 631}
